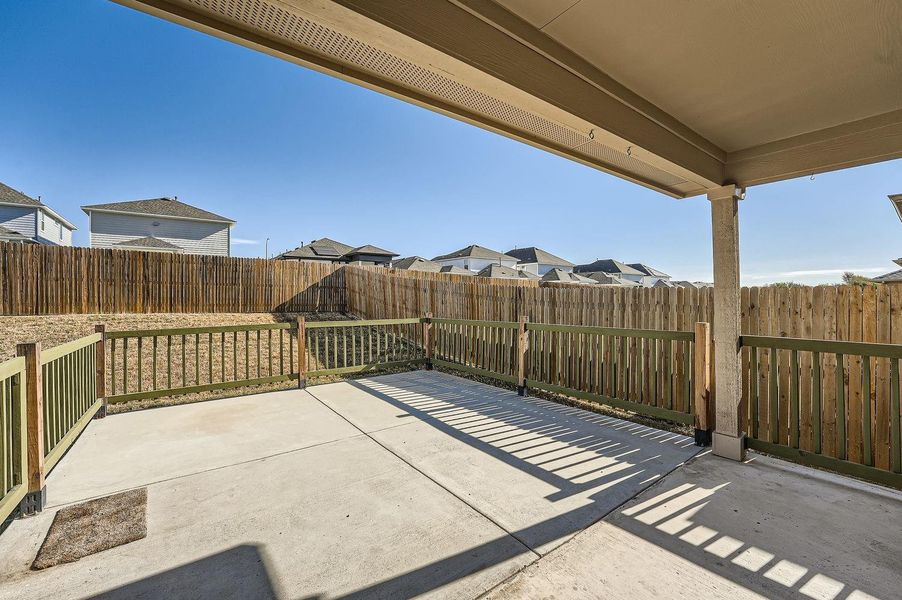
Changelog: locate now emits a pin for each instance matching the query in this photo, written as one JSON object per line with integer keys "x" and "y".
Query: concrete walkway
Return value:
{"x": 427, "y": 484}
{"x": 392, "y": 487}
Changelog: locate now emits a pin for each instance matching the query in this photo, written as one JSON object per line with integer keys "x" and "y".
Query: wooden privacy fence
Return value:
{"x": 48, "y": 398}
{"x": 36, "y": 279}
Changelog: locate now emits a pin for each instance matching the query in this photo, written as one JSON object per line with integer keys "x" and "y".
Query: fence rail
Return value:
{"x": 13, "y": 445}
{"x": 46, "y": 400}
{"x": 70, "y": 398}
{"x": 646, "y": 371}
{"x": 152, "y": 363}
{"x": 817, "y": 402}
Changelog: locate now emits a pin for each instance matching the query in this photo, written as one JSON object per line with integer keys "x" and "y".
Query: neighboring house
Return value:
{"x": 562, "y": 276}
{"x": 475, "y": 258}
{"x": 416, "y": 263}
{"x": 695, "y": 285}
{"x": 28, "y": 220}
{"x": 158, "y": 225}
{"x": 651, "y": 275}
{"x": 611, "y": 267}
{"x": 893, "y": 276}
{"x": 504, "y": 272}
{"x": 538, "y": 262}
{"x": 610, "y": 279}
{"x": 326, "y": 250}
{"x": 452, "y": 270}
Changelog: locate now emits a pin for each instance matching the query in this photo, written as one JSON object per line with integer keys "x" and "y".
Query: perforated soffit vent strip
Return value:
{"x": 291, "y": 29}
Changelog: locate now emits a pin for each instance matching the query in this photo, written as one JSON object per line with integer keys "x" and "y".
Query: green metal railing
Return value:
{"x": 14, "y": 442}
{"x": 827, "y": 403}
{"x": 69, "y": 392}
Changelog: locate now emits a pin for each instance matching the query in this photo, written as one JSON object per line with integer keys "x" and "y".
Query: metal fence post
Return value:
{"x": 522, "y": 350}
{"x": 100, "y": 369}
{"x": 302, "y": 353}
{"x": 704, "y": 409}
{"x": 428, "y": 340}
{"x": 34, "y": 500}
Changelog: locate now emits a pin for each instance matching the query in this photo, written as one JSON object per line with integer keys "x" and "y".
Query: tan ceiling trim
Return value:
{"x": 853, "y": 144}
{"x": 438, "y": 24}
{"x": 511, "y": 24}
{"x": 205, "y": 23}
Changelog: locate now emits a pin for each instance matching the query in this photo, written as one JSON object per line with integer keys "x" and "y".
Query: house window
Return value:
{"x": 61, "y": 233}
{"x": 42, "y": 221}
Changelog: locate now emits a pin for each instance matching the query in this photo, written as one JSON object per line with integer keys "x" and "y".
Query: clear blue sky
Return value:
{"x": 101, "y": 103}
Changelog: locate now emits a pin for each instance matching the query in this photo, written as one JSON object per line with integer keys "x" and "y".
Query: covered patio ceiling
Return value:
{"x": 681, "y": 97}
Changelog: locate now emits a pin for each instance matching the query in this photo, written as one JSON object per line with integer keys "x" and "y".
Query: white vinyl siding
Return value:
{"x": 19, "y": 219}
{"x": 542, "y": 268}
{"x": 53, "y": 232}
{"x": 194, "y": 237}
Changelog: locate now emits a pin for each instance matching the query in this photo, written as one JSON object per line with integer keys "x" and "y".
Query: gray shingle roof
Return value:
{"x": 565, "y": 277}
{"x": 321, "y": 249}
{"x": 502, "y": 272}
{"x": 149, "y": 242}
{"x": 8, "y": 194}
{"x": 370, "y": 249}
{"x": 608, "y": 265}
{"x": 537, "y": 255}
{"x": 450, "y": 270}
{"x": 646, "y": 270}
{"x": 610, "y": 279}
{"x": 163, "y": 207}
{"x": 475, "y": 251}
{"x": 889, "y": 277}
{"x": 416, "y": 263}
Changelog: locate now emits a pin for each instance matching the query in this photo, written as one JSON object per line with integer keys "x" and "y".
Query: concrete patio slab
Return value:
{"x": 135, "y": 449}
{"x": 339, "y": 520}
{"x": 721, "y": 529}
{"x": 541, "y": 470}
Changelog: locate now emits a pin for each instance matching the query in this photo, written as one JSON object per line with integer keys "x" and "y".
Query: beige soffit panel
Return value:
{"x": 741, "y": 73}
{"x": 329, "y": 38}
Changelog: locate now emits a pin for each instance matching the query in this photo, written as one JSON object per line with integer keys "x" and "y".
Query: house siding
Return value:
{"x": 542, "y": 268}
{"x": 194, "y": 237}
{"x": 19, "y": 219}
{"x": 476, "y": 264}
{"x": 52, "y": 230}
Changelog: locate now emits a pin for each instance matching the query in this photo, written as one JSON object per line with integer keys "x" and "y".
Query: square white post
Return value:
{"x": 728, "y": 440}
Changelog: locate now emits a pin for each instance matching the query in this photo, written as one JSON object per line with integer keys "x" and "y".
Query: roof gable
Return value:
{"x": 608, "y": 265}
{"x": 646, "y": 270}
{"x": 149, "y": 242}
{"x": 532, "y": 254}
{"x": 159, "y": 207}
{"x": 475, "y": 251}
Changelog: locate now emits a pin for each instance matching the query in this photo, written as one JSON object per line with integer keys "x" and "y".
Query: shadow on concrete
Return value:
{"x": 238, "y": 572}
{"x": 705, "y": 523}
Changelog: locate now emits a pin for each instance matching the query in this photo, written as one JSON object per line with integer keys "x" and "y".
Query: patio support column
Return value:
{"x": 728, "y": 439}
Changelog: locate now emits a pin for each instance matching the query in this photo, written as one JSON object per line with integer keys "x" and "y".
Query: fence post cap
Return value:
{"x": 23, "y": 347}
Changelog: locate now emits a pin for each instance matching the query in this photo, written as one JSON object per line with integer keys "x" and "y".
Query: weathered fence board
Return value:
{"x": 36, "y": 280}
